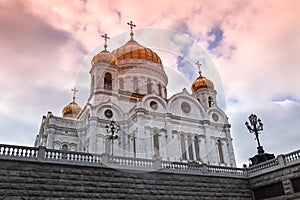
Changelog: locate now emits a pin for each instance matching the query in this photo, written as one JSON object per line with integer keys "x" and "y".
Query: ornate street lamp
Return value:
{"x": 255, "y": 126}
{"x": 113, "y": 128}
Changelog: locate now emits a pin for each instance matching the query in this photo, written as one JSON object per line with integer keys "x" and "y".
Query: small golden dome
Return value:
{"x": 105, "y": 57}
{"x": 71, "y": 110}
{"x": 132, "y": 50}
{"x": 202, "y": 82}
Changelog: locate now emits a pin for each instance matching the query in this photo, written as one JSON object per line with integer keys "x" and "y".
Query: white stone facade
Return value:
{"x": 186, "y": 127}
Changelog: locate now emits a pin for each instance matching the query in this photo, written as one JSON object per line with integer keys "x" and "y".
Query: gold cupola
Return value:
{"x": 105, "y": 56}
{"x": 72, "y": 109}
{"x": 201, "y": 81}
{"x": 133, "y": 50}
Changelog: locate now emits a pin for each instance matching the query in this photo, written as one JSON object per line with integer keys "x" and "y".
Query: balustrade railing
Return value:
{"x": 263, "y": 166}
{"x": 225, "y": 170}
{"x": 71, "y": 156}
{"x": 43, "y": 154}
{"x": 131, "y": 162}
{"x": 293, "y": 156}
{"x": 13, "y": 151}
{"x": 181, "y": 166}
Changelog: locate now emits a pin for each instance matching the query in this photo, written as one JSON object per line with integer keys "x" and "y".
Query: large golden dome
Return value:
{"x": 71, "y": 110}
{"x": 133, "y": 50}
{"x": 105, "y": 57}
{"x": 202, "y": 82}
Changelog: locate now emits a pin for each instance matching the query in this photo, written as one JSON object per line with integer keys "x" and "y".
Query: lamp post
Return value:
{"x": 254, "y": 127}
{"x": 112, "y": 128}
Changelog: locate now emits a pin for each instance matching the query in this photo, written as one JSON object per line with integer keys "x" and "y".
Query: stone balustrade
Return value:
{"x": 50, "y": 155}
{"x": 130, "y": 162}
{"x": 18, "y": 152}
{"x": 293, "y": 156}
{"x": 259, "y": 168}
{"x": 226, "y": 170}
{"x": 71, "y": 156}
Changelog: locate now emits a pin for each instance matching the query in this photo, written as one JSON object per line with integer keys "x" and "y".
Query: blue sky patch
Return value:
{"x": 219, "y": 35}
{"x": 290, "y": 98}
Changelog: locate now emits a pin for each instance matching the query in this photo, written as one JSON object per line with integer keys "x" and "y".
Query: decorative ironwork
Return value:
{"x": 254, "y": 127}
{"x": 113, "y": 128}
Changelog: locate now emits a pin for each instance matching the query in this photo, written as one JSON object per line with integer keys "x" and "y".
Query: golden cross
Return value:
{"x": 74, "y": 90}
{"x": 131, "y": 26}
{"x": 105, "y": 40}
{"x": 199, "y": 67}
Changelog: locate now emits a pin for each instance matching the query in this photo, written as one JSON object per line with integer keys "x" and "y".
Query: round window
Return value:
{"x": 186, "y": 107}
{"x": 108, "y": 113}
{"x": 153, "y": 105}
{"x": 215, "y": 117}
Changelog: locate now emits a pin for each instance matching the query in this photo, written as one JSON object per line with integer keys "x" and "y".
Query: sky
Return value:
{"x": 254, "y": 47}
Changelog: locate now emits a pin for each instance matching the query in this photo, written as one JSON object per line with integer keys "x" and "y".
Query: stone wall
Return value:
{"x": 49, "y": 180}
{"x": 283, "y": 176}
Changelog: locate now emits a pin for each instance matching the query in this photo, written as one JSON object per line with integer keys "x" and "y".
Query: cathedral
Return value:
{"x": 128, "y": 113}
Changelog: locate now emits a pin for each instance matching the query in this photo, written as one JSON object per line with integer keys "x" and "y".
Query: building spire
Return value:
{"x": 131, "y": 27}
{"x": 105, "y": 40}
{"x": 74, "y": 90}
{"x": 199, "y": 68}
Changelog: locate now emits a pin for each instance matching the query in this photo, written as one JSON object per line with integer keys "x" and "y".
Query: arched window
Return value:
{"x": 197, "y": 149}
{"x": 183, "y": 149}
{"x": 64, "y": 147}
{"x": 135, "y": 84}
{"x": 210, "y": 101}
{"x": 149, "y": 86}
{"x": 159, "y": 89}
{"x": 190, "y": 148}
{"x": 156, "y": 143}
{"x": 108, "y": 81}
{"x": 92, "y": 83}
{"x": 220, "y": 151}
{"x": 121, "y": 82}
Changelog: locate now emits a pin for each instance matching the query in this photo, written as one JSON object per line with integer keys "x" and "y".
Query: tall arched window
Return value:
{"x": 64, "y": 149}
{"x": 156, "y": 143}
{"x": 210, "y": 101}
{"x": 121, "y": 82}
{"x": 183, "y": 149}
{"x": 197, "y": 149}
{"x": 159, "y": 89}
{"x": 108, "y": 81}
{"x": 149, "y": 86}
{"x": 135, "y": 84}
{"x": 190, "y": 148}
{"x": 220, "y": 151}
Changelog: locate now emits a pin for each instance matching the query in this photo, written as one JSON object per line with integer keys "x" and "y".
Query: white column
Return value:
{"x": 92, "y": 134}
{"x": 50, "y": 138}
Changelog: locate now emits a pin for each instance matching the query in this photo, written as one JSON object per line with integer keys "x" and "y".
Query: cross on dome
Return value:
{"x": 131, "y": 27}
{"x": 74, "y": 90}
{"x": 199, "y": 67}
{"x": 105, "y": 40}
